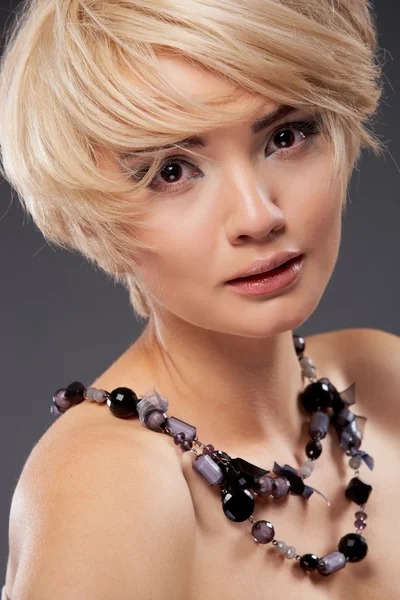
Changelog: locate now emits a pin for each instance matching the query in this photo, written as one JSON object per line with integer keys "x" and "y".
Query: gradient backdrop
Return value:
{"x": 62, "y": 321}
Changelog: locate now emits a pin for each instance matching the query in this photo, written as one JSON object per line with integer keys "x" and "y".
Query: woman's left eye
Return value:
{"x": 173, "y": 168}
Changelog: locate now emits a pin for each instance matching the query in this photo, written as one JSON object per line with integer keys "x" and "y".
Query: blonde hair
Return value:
{"x": 67, "y": 100}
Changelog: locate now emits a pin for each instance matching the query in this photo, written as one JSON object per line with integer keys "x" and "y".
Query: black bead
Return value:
{"x": 238, "y": 506}
{"x": 314, "y": 449}
{"x": 123, "y": 403}
{"x": 299, "y": 344}
{"x": 353, "y": 546}
{"x": 309, "y": 562}
{"x": 74, "y": 392}
{"x": 316, "y": 396}
{"x": 358, "y": 491}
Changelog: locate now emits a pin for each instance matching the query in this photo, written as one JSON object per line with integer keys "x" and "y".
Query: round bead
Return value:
{"x": 186, "y": 445}
{"x": 316, "y": 396}
{"x": 353, "y": 546}
{"x": 355, "y": 462}
{"x": 314, "y": 448}
{"x": 209, "y": 449}
{"x": 123, "y": 403}
{"x": 360, "y": 524}
{"x": 307, "y": 366}
{"x": 305, "y": 472}
{"x": 239, "y": 506}
{"x": 60, "y": 402}
{"x": 299, "y": 344}
{"x": 281, "y": 547}
{"x": 309, "y": 562}
{"x": 263, "y": 532}
{"x": 155, "y": 420}
{"x": 290, "y": 552}
{"x": 179, "y": 438}
{"x": 263, "y": 485}
{"x": 361, "y": 515}
{"x": 280, "y": 488}
{"x": 309, "y": 463}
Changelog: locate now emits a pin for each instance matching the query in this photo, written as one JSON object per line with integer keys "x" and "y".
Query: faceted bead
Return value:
{"x": 281, "y": 487}
{"x": 316, "y": 396}
{"x": 290, "y": 552}
{"x": 75, "y": 391}
{"x": 150, "y": 402}
{"x": 209, "y": 449}
{"x": 263, "y": 485}
{"x": 319, "y": 423}
{"x": 309, "y": 562}
{"x": 355, "y": 462}
{"x": 353, "y": 546}
{"x": 155, "y": 420}
{"x": 177, "y": 426}
{"x": 307, "y": 366}
{"x": 313, "y": 448}
{"x": 239, "y": 506}
{"x": 187, "y": 445}
{"x": 96, "y": 395}
{"x": 299, "y": 344}
{"x": 179, "y": 438}
{"x": 334, "y": 560}
{"x": 361, "y": 515}
{"x": 208, "y": 469}
{"x": 358, "y": 491}
{"x": 360, "y": 524}
{"x": 123, "y": 403}
{"x": 60, "y": 402}
{"x": 263, "y": 532}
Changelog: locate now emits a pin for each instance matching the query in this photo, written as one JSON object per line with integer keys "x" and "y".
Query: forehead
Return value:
{"x": 198, "y": 82}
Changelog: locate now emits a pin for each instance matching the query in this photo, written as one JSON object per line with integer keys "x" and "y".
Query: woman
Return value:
{"x": 181, "y": 146}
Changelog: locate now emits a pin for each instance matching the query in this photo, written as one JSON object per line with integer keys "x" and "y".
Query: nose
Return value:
{"x": 252, "y": 209}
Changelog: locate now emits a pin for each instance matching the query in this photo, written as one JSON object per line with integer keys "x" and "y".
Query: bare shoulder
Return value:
{"x": 109, "y": 502}
{"x": 369, "y": 357}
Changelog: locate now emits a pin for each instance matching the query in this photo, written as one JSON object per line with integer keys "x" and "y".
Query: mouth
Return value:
{"x": 277, "y": 270}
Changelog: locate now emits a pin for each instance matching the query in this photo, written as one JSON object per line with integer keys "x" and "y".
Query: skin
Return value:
{"x": 226, "y": 362}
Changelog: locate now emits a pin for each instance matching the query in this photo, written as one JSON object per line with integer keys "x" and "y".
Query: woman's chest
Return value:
{"x": 228, "y": 562}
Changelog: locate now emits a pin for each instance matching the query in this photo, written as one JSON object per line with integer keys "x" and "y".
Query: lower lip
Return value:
{"x": 266, "y": 283}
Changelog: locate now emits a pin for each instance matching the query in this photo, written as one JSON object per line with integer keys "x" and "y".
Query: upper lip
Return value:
{"x": 262, "y": 265}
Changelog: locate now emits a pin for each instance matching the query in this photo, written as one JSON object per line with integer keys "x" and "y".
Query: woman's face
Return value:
{"x": 244, "y": 196}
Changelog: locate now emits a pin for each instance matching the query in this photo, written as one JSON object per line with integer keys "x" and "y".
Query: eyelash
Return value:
{"x": 308, "y": 128}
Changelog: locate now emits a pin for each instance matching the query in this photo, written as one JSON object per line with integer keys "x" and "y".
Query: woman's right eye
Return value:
{"x": 171, "y": 171}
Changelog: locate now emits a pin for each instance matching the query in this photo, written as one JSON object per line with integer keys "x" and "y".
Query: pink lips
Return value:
{"x": 266, "y": 283}
{"x": 263, "y": 265}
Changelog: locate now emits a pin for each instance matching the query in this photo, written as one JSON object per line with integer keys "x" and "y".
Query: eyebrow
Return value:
{"x": 200, "y": 142}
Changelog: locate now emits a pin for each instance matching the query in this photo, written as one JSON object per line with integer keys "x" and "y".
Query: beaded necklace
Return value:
{"x": 240, "y": 480}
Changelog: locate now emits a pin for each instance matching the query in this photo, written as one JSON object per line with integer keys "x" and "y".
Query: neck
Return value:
{"x": 239, "y": 392}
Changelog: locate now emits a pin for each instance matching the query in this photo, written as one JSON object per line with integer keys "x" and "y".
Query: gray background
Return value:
{"x": 60, "y": 320}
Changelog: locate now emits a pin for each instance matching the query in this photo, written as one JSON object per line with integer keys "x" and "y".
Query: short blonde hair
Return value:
{"x": 66, "y": 98}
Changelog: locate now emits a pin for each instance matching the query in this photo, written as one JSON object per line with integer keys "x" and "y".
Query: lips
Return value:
{"x": 266, "y": 265}
{"x": 257, "y": 275}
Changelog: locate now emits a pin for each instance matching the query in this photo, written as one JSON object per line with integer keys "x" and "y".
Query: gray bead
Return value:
{"x": 307, "y": 366}
{"x": 150, "y": 402}
{"x": 155, "y": 419}
{"x": 319, "y": 422}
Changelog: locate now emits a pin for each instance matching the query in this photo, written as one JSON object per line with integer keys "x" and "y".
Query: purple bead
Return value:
{"x": 358, "y": 524}
{"x": 178, "y": 426}
{"x": 361, "y": 515}
{"x": 179, "y": 438}
{"x": 263, "y": 485}
{"x": 60, "y": 401}
{"x": 334, "y": 560}
{"x": 155, "y": 420}
{"x": 281, "y": 487}
{"x": 186, "y": 445}
{"x": 208, "y": 469}
{"x": 209, "y": 449}
{"x": 263, "y": 532}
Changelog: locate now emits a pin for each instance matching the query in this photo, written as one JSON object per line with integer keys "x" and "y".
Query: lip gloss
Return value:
{"x": 265, "y": 283}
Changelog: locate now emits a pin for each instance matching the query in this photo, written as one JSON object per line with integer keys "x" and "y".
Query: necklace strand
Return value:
{"x": 239, "y": 480}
